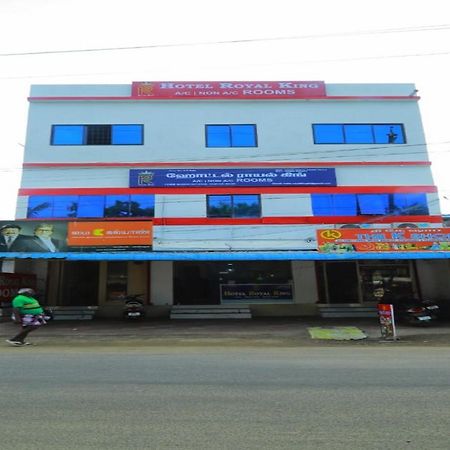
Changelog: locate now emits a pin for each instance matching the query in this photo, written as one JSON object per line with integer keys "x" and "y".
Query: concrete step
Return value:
{"x": 210, "y": 316}
{"x": 210, "y": 312}
{"x": 73, "y": 312}
{"x": 338, "y": 311}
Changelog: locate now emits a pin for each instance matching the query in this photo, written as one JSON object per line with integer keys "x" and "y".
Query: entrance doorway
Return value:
{"x": 203, "y": 282}
{"x": 79, "y": 283}
{"x": 356, "y": 281}
{"x": 194, "y": 284}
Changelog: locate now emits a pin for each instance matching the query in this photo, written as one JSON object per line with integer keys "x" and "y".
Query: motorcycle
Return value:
{"x": 133, "y": 308}
{"x": 419, "y": 313}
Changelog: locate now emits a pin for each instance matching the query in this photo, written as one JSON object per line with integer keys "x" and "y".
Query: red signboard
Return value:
{"x": 10, "y": 283}
{"x": 383, "y": 240}
{"x": 208, "y": 90}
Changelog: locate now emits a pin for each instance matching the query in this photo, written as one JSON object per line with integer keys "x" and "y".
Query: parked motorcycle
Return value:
{"x": 134, "y": 307}
{"x": 419, "y": 313}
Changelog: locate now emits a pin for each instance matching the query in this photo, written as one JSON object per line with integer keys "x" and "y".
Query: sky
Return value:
{"x": 115, "y": 42}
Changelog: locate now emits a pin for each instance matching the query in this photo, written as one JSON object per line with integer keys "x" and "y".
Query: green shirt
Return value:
{"x": 27, "y": 305}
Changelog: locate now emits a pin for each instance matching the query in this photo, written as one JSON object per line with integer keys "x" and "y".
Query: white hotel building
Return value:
{"x": 233, "y": 180}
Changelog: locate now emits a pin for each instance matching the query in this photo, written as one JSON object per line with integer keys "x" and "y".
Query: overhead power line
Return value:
{"x": 441, "y": 27}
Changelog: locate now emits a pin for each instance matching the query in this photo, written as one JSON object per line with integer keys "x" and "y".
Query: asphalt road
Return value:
{"x": 224, "y": 398}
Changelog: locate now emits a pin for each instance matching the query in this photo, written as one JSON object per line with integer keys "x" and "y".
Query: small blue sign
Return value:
{"x": 309, "y": 176}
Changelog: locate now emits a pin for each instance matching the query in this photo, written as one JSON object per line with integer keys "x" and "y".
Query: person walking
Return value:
{"x": 28, "y": 313}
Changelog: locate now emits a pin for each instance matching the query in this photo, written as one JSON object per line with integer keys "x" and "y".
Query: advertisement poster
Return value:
{"x": 232, "y": 90}
{"x": 309, "y": 176}
{"x": 387, "y": 321}
{"x": 109, "y": 234}
{"x": 60, "y": 236}
{"x": 346, "y": 240}
{"x": 255, "y": 292}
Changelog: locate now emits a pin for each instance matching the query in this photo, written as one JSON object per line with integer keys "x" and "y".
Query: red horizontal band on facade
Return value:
{"x": 31, "y": 165}
{"x": 232, "y": 190}
{"x": 316, "y": 220}
{"x": 301, "y": 220}
{"x": 149, "y": 99}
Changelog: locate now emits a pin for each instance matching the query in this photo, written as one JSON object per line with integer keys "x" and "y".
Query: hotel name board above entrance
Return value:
{"x": 209, "y": 90}
{"x": 310, "y": 176}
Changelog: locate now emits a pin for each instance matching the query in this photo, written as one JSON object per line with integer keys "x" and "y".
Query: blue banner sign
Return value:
{"x": 255, "y": 292}
{"x": 309, "y": 176}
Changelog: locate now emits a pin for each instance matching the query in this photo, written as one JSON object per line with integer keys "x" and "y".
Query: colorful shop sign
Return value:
{"x": 310, "y": 176}
{"x": 109, "y": 234}
{"x": 255, "y": 292}
{"x": 227, "y": 90}
{"x": 383, "y": 240}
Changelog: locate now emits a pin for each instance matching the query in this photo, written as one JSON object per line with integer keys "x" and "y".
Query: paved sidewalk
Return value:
{"x": 283, "y": 332}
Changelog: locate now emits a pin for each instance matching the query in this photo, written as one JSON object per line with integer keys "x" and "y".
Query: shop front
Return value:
{"x": 100, "y": 263}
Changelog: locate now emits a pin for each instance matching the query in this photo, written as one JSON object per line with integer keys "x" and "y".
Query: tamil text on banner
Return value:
{"x": 207, "y": 90}
{"x": 109, "y": 234}
{"x": 383, "y": 240}
{"x": 309, "y": 176}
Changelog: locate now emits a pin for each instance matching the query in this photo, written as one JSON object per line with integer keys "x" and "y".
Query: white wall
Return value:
{"x": 234, "y": 237}
{"x": 305, "y": 282}
{"x": 434, "y": 276}
{"x": 161, "y": 291}
{"x": 175, "y": 130}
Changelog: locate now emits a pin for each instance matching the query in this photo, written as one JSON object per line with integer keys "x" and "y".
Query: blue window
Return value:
{"x": 231, "y": 136}
{"x": 242, "y": 206}
{"x": 334, "y": 205}
{"x": 373, "y": 203}
{"x": 67, "y": 135}
{"x": 117, "y": 206}
{"x": 328, "y": 134}
{"x": 40, "y": 206}
{"x": 410, "y": 204}
{"x": 91, "y": 206}
{"x": 97, "y": 135}
{"x": 369, "y": 204}
{"x": 358, "y": 134}
{"x": 65, "y": 206}
{"x": 127, "y": 135}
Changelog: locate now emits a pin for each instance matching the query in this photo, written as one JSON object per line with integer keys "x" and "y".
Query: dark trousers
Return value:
{"x": 23, "y": 334}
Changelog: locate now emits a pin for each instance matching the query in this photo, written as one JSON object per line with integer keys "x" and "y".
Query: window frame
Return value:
{"x": 375, "y": 139}
{"x": 85, "y": 134}
{"x": 392, "y": 201}
{"x": 232, "y": 206}
{"x": 102, "y": 204}
{"x": 230, "y": 133}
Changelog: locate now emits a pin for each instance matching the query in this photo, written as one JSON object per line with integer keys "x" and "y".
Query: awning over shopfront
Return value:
{"x": 226, "y": 256}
